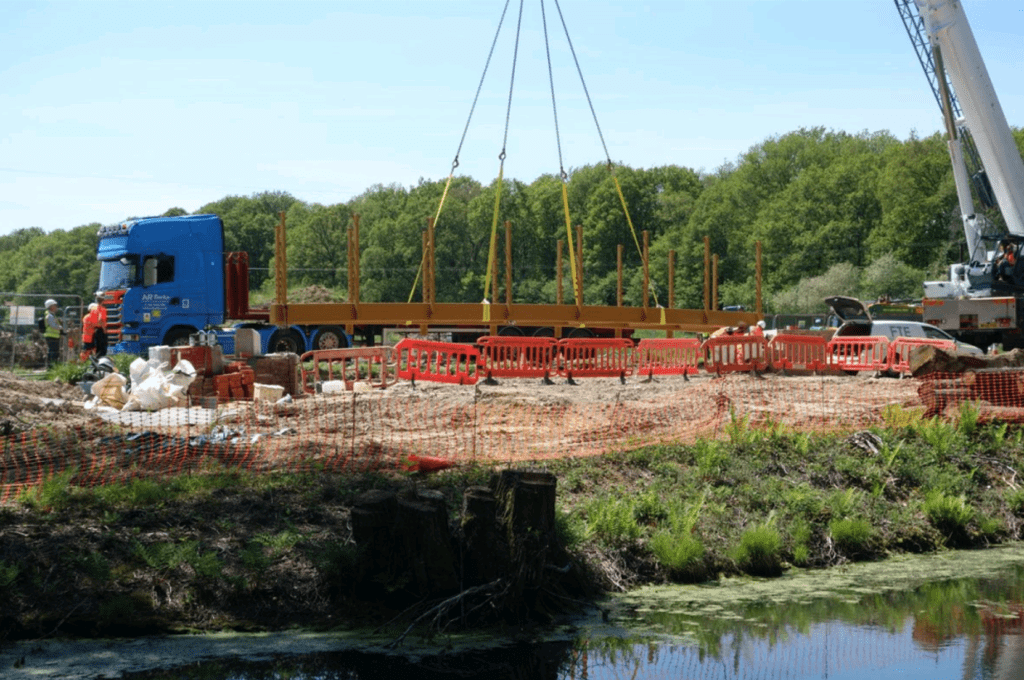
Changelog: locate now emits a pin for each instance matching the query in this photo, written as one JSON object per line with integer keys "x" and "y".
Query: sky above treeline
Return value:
{"x": 113, "y": 109}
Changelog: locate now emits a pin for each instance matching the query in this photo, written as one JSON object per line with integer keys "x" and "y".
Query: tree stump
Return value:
{"x": 373, "y": 521}
{"x": 526, "y": 510}
{"x": 425, "y": 542}
{"x": 485, "y": 554}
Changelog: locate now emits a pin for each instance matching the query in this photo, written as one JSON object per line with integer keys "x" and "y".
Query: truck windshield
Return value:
{"x": 116, "y": 274}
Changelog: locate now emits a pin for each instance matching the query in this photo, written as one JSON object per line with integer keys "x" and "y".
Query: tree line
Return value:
{"x": 836, "y": 213}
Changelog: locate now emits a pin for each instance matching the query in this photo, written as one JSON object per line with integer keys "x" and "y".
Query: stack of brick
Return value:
{"x": 236, "y": 380}
{"x": 277, "y": 369}
{"x": 208, "y": 362}
{"x": 236, "y": 383}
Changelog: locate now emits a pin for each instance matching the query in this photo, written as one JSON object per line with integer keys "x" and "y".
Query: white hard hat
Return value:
{"x": 50, "y": 303}
{"x": 761, "y": 323}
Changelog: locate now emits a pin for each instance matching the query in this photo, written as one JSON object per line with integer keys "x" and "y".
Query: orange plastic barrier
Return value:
{"x": 667, "y": 356}
{"x": 899, "y": 351}
{"x": 867, "y": 353}
{"x": 445, "y": 362}
{"x": 735, "y": 353}
{"x": 372, "y": 365}
{"x": 517, "y": 357}
{"x": 595, "y": 358}
{"x": 799, "y": 352}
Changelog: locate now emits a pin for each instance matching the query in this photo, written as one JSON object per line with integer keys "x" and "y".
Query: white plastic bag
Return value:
{"x": 159, "y": 388}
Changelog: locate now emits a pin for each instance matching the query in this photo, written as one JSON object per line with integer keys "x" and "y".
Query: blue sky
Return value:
{"x": 113, "y": 109}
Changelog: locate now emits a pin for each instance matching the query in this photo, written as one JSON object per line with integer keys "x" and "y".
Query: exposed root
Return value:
{"x": 441, "y": 609}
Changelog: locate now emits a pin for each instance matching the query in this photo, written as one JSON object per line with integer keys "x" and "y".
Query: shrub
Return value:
{"x": 53, "y": 494}
{"x": 949, "y": 514}
{"x": 1015, "y": 501}
{"x": 569, "y": 529}
{"x": 801, "y": 533}
{"x": 612, "y": 521}
{"x": 760, "y": 551}
{"x": 69, "y": 373}
{"x": 843, "y": 503}
{"x": 681, "y": 554}
{"x": 852, "y": 536}
{"x": 649, "y": 508}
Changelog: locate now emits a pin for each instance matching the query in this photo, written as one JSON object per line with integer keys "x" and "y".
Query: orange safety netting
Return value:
{"x": 518, "y": 421}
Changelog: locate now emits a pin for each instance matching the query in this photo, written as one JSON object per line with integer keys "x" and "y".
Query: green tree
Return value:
{"x": 317, "y": 245}
{"x": 888, "y": 276}
{"x": 808, "y": 295}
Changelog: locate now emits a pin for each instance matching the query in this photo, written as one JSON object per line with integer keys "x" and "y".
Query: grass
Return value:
{"x": 760, "y": 551}
{"x": 951, "y": 515}
{"x": 929, "y": 485}
{"x": 761, "y": 498}
{"x": 852, "y": 536}
{"x": 71, "y": 372}
{"x": 681, "y": 554}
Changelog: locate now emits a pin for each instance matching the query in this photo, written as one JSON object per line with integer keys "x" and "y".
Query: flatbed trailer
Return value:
{"x": 506, "y": 318}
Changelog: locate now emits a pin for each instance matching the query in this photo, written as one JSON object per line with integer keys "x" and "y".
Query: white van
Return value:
{"x": 857, "y": 321}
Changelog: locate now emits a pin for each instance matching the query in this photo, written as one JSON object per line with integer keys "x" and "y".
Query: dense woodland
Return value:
{"x": 836, "y": 213}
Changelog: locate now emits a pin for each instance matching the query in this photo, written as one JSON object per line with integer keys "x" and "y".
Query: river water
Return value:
{"x": 953, "y": 615}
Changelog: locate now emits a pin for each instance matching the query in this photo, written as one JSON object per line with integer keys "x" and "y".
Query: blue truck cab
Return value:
{"x": 162, "y": 279}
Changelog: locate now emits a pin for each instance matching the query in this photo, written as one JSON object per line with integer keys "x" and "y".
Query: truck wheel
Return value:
{"x": 286, "y": 340}
{"x": 178, "y": 337}
{"x": 330, "y": 337}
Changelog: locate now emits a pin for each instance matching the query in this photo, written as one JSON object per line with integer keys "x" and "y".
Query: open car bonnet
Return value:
{"x": 849, "y": 309}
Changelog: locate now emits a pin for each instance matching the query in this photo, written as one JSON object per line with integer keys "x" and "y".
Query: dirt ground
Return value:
{"x": 28, "y": 403}
{"x": 794, "y": 400}
{"x": 273, "y": 556}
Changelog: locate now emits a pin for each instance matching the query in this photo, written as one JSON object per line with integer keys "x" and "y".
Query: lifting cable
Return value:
{"x": 576, "y": 292}
{"x": 465, "y": 129}
{"x": 610, "y": 165}
{"x": 492, "y": 250}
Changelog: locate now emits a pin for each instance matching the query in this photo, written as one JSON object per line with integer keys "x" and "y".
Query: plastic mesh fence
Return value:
{"x": 516, "y": 422}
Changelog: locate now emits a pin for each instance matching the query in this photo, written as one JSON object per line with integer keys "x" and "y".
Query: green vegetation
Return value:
{"x": 224, "y": 545}
{"x": 768, "y": 498}
{"x": 760, "y": 551}
{"x": 862, "y": 214}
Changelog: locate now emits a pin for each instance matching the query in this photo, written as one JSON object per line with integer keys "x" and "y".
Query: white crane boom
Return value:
{"x": 948, "y": 29}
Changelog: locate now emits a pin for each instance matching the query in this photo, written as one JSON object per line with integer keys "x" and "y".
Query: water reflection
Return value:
{"x": 544, "y": 661}
{"x": 965, "y": 628}
{"x": 961, "y": 628}
{"x": 883, "y": 621}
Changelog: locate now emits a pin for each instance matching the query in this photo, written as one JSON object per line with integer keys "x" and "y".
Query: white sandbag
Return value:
{"x": 109, "y": 390}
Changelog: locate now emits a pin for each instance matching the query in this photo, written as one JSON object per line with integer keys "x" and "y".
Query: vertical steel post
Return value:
{"x": 356, "y": 253}
{"x": 508, "y": 265}
{"x": 671, "y": 284}
{"x": 707, "y": 274}
{"x": 618, "y": 271}
{"x": 714, "y": 282}
{"x": 579, "y": 266}
{"x": 558, "y": 272}
{"x": 757, "y": 277}
{"x": 281, "y": 272}
{"x": 647, "y": 273}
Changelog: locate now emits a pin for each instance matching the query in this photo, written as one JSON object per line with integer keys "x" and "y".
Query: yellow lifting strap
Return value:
{"x": 572, "y": 250}
{"x": 437, "y": 215}
{"x": 493, "y": 250}
{"x": 629, "y": 221}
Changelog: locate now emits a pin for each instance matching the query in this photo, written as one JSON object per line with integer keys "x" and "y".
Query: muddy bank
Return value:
{"x": 229, "y": 550}
{"x": 250, "y": 553}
